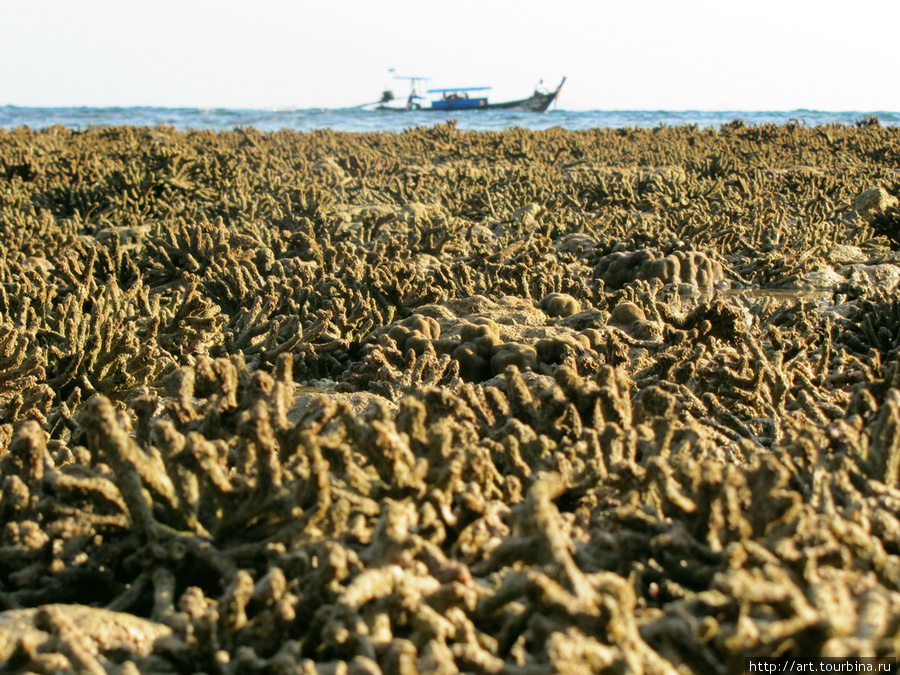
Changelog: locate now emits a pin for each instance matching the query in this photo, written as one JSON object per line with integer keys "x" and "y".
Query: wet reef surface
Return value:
{"x": 524, "y": 402}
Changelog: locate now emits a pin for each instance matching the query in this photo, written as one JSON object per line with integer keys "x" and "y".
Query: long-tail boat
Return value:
{"x": 463, "y": 98}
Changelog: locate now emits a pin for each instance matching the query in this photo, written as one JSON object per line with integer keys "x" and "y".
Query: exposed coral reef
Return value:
{"x": 521, "y": 402}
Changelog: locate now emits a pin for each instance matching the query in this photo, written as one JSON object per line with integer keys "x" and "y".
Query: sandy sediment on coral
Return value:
{"x": 616, "y": 400}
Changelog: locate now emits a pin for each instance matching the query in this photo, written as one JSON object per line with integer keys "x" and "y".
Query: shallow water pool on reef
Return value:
{"x": 820, "y": 295}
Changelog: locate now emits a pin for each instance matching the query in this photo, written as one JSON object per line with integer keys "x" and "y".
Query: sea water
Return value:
{"x": 356, "y": 120}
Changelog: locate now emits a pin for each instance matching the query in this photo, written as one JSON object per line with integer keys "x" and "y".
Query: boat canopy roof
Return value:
{"x": 447, "y": 91}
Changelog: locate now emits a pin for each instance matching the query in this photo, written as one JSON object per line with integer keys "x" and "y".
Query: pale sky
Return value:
{"x": 622, "y": 55}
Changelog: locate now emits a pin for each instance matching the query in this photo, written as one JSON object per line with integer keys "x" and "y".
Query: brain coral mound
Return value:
{"x": 696, "y": 268}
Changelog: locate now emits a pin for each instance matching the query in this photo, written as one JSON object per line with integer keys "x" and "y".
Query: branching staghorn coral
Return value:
{"x": 327, "y": 402}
